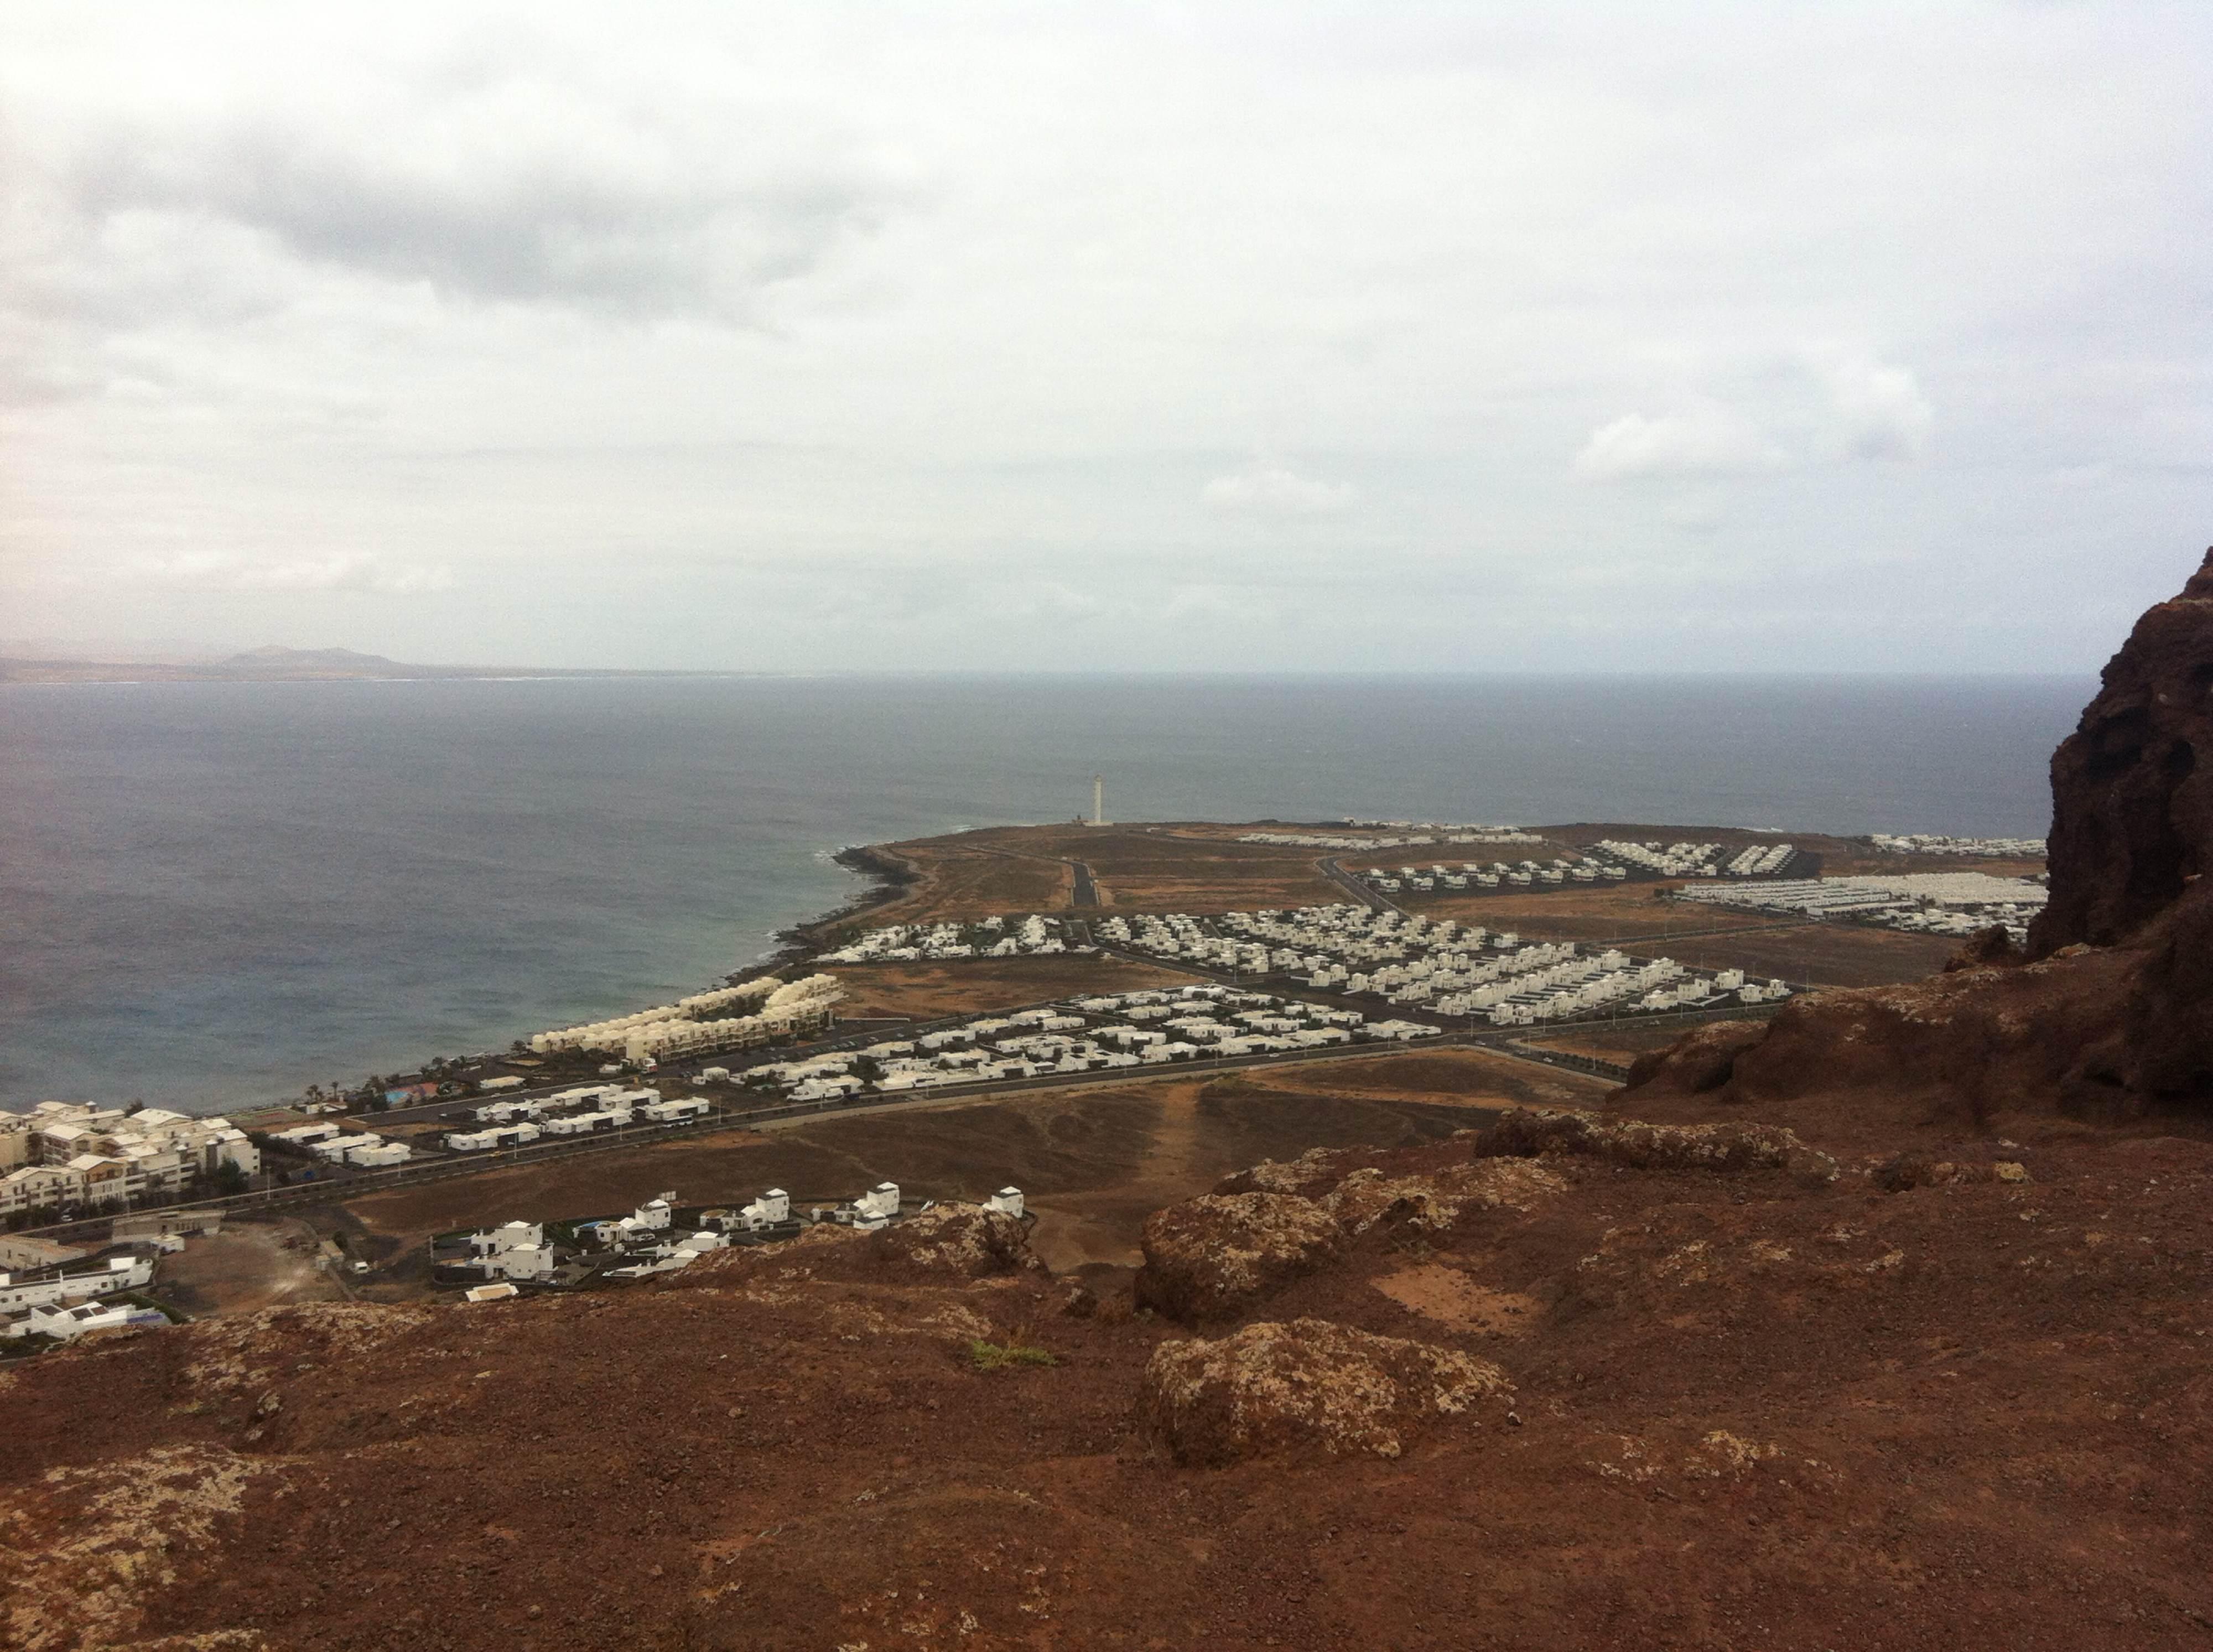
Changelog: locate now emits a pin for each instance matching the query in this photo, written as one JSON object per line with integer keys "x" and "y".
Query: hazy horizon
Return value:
{"x": 16, "y": 648}
{"x": 1717, "y": 338}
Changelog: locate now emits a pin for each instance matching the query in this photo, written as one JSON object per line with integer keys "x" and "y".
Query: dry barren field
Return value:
{"x": 1004, "y": 869}
{"x": 962, "y": 985}
{"x": 1094, "y": 1161}
{"x": 1826, "y": 955}
{"x": 248, "y": 1266}
{"x": 1610, "y": 1043}
{"x": 1631, "y": 917}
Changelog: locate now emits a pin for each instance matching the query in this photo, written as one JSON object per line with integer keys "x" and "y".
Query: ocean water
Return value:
{"x": 212, "y": 894}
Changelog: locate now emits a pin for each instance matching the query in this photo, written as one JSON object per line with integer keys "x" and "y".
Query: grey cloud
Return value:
{"x": 644, "y": 233}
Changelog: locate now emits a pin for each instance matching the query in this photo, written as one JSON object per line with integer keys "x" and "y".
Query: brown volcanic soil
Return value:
{"x": 1610, "y": 1043}
{"x": 973, "y": 875}
{"x": 1746, "y": 1413}
{"x": 1004, "y": 869}
{"x": 1097, "y": 1159}
{"x": 248, "y": 1266}
{"x": 1827, "y": 954}
{"x": 964, "y": 985}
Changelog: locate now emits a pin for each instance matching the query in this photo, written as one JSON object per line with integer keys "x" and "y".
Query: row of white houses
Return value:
{"x": 1405, "y": 837}
{"x": 1145, "y": 1028}
{"x": 1924, "y": 842}
{"x": 1439, "y": 964}
{"x": 646, "y": 1242}
{"x": 610, "y": 1109}
{"x": 1697, "y": 860}
{"x": 788, "y": 1009}
{"x": 1497, "y": 875}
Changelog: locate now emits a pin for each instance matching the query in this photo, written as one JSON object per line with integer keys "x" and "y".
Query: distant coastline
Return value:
{"x": 283, "y": 665}
{"x": 304, "y": 665}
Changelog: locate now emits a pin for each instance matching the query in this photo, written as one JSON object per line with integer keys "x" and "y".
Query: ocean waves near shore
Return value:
{"x": 212, "y": 894}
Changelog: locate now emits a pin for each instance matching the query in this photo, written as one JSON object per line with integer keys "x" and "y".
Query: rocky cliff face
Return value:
{"x": 2113, "y": 1016}
{"x": 2132, "y": 809}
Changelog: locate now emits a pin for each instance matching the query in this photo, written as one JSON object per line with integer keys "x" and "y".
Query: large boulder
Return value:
{"x": 966, "y": 1241}
{"x": 1528, "y": 1132}
{"x": 1308, "y": 1387}
{"x": 1703, "y": 1059}
{"x": 951, "y": 1241}
{"x": 2132, "y": 812}
{"x": 1436, "y": 1202}
{"x": 1210, "y": 1257}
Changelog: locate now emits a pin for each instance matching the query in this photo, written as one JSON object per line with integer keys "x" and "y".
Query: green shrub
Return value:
{"x": 997, "y": 1356}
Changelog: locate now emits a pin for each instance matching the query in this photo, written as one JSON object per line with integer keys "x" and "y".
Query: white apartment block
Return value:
{"x": 73, "y": 1153}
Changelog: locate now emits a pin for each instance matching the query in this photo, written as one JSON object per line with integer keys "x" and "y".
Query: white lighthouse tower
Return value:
{"x": 1097, "y": 799}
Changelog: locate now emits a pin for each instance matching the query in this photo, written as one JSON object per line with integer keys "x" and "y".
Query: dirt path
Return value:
{"x": 246, "y": 1266}
{"x": 1099, "y": 1227}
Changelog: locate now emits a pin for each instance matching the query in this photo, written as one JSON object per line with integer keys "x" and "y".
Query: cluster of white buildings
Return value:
{"x": 1440, "y": 966}
{"x": 1700, "y": 860}
{"x": 66, "y": 1155}
{"x": 1924, "y": 842}
{"x": 65, "y": 1299}
{"x": 1454, "y": 969}
{"x": 586, "y": 1110}
{"x": 1477, "y": 877}
{"x": 648, "y": 1242}
{"x": 1932, "y": 903}
{"x": 1106, "y": 1032}
{"x": 363, "y": 1149}
{"x": 24, "y": 1288}
{"x": 990, "y": 937}
{"x": 692, "y": 1025}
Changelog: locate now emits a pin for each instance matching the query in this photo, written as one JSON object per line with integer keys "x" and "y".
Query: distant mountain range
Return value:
{"x": 274, "y": 664}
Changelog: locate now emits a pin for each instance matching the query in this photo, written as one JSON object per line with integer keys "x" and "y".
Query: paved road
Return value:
{"x": 1374, "y": 900}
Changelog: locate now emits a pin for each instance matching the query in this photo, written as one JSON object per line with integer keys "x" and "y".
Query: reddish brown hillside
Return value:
{"x": 1650, "y": 1387}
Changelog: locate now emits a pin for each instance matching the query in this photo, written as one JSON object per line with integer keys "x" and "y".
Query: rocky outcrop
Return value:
{"x": 1214, "y": 1257}
{"x": 2110, "y": 1014}
{"x": 1702, "y": 1059}
{"x": 91, "y": 1543}
{"x": 946, "y": 1242}
{"x": 1307, "y": 1386}
{"x": 1527, "y": 1133}
{"x": 1436, "y": 1202}
{"x": 2132, "y": 809}
{"x": 1312, "y": 1173}
{"x": 1211, "y": 1256}
{"x": 1984, "y": 946}
{"x": 964, "y": 1242}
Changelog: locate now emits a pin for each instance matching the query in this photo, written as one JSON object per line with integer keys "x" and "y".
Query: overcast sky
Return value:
{"x": 1232, "y": 337}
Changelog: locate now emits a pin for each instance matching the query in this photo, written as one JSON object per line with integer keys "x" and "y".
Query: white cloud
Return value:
{"x": 1265, "y": 489}
{"x": 1706, "y": 440}
{"x": 1878, "y": 409}
{"x": 210, "y": 570}
{"x": 1785, "y": 409}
